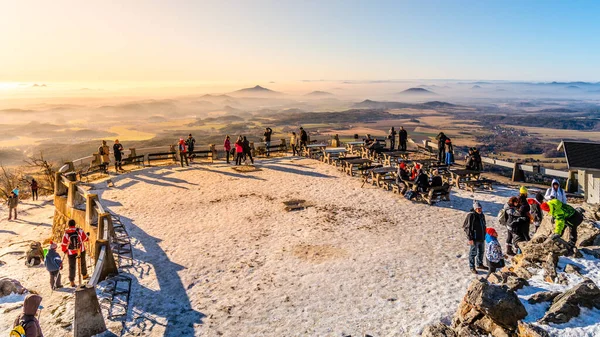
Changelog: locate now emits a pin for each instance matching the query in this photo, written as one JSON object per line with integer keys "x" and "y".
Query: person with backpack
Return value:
{"x": 493, "y": 251}
{"x": 118, "y": 153}
{"x": 73, "y": 244}
{"x": 441, "y": 138}
{"x": 518, "y": 222}
{"x": 556, "y": 192}
{"x": 247, "y": 149}
{"x": 239, "y": 150}
{"x": 294, "y": 144}
{"x": 26, "y": 324}
{"x": 402, "y": 137}
{"x": 12, "y": 202}
{"x": 392, "y": 138}
{"x": 182, "y": 149}
{"x": 34, "y": 189}
{"x": 190, "y": 142}
{"x": 53, "y": 264}
{"x": 267, "y": 139}
{"x": 564, "y": 216}
{"x": 227, "y": 147}
{"x": 536, "y": 212}
{"x": 104, "y": 152}
{"x": 503, "y": 219}
{"x": 474, "y": 227}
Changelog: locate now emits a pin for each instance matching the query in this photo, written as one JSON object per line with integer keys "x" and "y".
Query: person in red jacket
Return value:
{"x": 73, "y": 244}
{"x": 227, "y": 147}
{"x": 239, "y": 150}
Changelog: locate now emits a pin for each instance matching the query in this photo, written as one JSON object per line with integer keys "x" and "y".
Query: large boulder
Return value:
{"x": 9, "y": 286}
{"x": 549, "y": 266}
{"x": 587, "y": 233}
{"x": 544, "y": 296}
{"x": 529, "y": 330}
{"x": 567, "y": 305}
{"x": 438, "y": 330}
{"x": 498, "y": 303}
{"x": 538, "y": 252}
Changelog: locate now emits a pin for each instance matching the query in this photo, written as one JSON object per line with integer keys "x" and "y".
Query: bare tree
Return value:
{"x": 9, "y": 180}
{"x": 46, "y": 169}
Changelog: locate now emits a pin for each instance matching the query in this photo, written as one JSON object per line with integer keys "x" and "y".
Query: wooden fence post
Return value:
{"x": 518, "y": 174}
{"x": 91, "y": 215}
{"x": 109, "y": 267}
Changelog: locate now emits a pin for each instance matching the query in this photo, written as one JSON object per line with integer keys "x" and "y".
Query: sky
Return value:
{"x": 227, "y": 41}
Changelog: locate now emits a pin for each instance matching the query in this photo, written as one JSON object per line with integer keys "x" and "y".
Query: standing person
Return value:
{"x": 227, "y": 147}
{"x": 182, "y": 152}
{"x": 493, "y": 251}
{"x": 555, "y": 191}
{"x": 191, "y": 143}
{"x": 104, "y": 152}
{"x": 239, "y": 150}
{"x": 247, "y": 149}
{"x": 293, "y": 143}
{"x": 402, "y": 137}
{"x": 303, "y": 139}
{"x": 449, "y": 152}
{"x": 26, "y": 323}
{"x": 267, "y": 138}
{"x": 518, "y": 222}
{"x": 477, "y": 160}
{"x": 13, "y": 202}
{"x": 564, "y": 215}
{"x": 53, "y": 264}
{"x": 392, "y": 137}
{"x": 118, "y": 153}
{"x": 34, "y": 189}
{"x": 504, "y": 218}
{"x": 474, "y": 227}
{"x": 441, "y": 138}
{"x": 536, "y": 212}
{"x": 73, "y": 244}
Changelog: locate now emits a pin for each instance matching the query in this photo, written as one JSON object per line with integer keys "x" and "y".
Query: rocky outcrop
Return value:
{"x": 528, "y": 330}
{"x": 9, "y": 286}
{"x": 587, "y": 233}
{"x": 545, "y": 296}
{"x": 438, "y": 330}
{"x": 567, "y": 305}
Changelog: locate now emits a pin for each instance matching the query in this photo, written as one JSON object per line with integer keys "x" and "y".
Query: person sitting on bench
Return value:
{"x": 422, "y": 182}
{"x": 436, "y": 179}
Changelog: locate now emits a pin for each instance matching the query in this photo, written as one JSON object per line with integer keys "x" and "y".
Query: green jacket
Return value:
{"x": 560, "y": 212}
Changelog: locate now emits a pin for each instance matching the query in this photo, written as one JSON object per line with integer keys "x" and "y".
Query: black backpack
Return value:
{"x": 74, "y": 243}
{"x": 101, "y": 150}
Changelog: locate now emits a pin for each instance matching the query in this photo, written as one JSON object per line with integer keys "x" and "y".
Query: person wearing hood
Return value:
{"x": 556, "y": 192}
{"x": 53, "y": 264}
{"x": 27, "y": 320}
{"x": 182, "y": 147}
{"x": 474, "y": 227}
{"x": 493, "y": 251}
{"x": 564, "y": 215}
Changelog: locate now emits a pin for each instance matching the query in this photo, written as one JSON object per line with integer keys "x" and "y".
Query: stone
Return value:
{"x": 500, "y": 304}
{"x": 538, "y": 252}
{"x": 544, "y": 296}
{"x": 523, "y": 273}
{"x": 587, "y": 232}
{"x": 567, "y": 305}
{"x": 592, "y": 250}
{"x": 572, "y": 269}
{"x": 438, "y": 330}
{"x": 530, "y": 330}
{"x": 515, "y": 283}
{"x": 487, "y": 324}
{"x": 10, "y": 286}
{"x": 562, "y": 279}
{"x": 549, "y": 266}
{"x": 467, "y": 331}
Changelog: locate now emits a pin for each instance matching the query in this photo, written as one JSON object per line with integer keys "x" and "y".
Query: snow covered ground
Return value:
{"x": 217, "y": 254}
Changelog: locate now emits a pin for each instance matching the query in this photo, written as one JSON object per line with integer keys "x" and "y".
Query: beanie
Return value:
{"x": 544, "y": 206}
{"x": 491, "y": 232}
{"x": 476, "y": 204}
{"x": 523, "y": 190}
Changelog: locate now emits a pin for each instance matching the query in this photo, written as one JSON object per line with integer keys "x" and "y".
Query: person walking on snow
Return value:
{"x": 402, "y": 137}
{"x": 267, "y": 139}
{"x": 182, "y": 152}
{"x": 392, "y": 138}
{"x": 555, "y": 191}
{"x": 12, "y": 201}
{"x": 227, "y": 147}
{"x": 247, "y": 149}
{"x": 474, "y": 227}
{"x": 564, "y": 215}
{"x": 191, "y": 143}
{"x": 303, "y": 138}
{"x": 26, "y": 321}
{"x": 118, "y": 153}
{"x": 73, "y": 244}
{"x": 239, "y": 150}
{"x": 493, "y": 251}
{"x": 34, "y": 189}
{"x": 53, "y": 264}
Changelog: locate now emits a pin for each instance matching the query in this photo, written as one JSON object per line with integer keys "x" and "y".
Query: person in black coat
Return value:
{"x": 118, "y": 153}
{"x": 303, "y": 139}
{"x": 247, "y": 149}
{"x": 441, "y": 138}
{"x": 422, "y": 181}
{"x": 402, "y": 137}
{"x": 474, "y": 227}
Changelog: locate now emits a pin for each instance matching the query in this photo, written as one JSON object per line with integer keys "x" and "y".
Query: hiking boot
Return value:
{"x": 72, "y": 284}
{"x": 482, "y": 267}
{"x": 85, "y": 277}
{"x": 509, "y": 250}
{"x": 473, "y": 271}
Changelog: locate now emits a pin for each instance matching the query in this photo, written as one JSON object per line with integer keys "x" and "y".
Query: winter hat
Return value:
{"x": 403, "y": 165}
{"x": 476, "y": 204}
{"x": 523, "y": 190}
{"x": 418, "y": 166}
{"x": 545, "y": 207}
{"x": 71, "y": 223}
{"x": 53, "y": 245}
{"x": 492, "y": 232}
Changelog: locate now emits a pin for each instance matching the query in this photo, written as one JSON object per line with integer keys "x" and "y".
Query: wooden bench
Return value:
{"x": 330, "y": 155}
{"x": 278, "y": 148}
{"x": 381, "y": 177}
{"x": 435, "y": 193}
{"x": 161, "y": 156}
{"x": 138, "y": 160}
{"x": 202, "y": 154}
{"x": 471, "y": 185}
{"x": 461, "y": 176}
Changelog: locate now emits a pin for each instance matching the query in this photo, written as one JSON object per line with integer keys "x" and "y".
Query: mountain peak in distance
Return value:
{"x": 417, "y": 91}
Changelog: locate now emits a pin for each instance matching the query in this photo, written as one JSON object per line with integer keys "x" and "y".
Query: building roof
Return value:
{"x": 581, "y": 155}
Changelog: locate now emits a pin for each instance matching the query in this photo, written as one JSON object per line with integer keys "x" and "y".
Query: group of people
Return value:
{"x": 104, "y": 152}
{"x": 517, "y": 215}
{"x": 186, "y": 150}
{"x": 402, "y": 138}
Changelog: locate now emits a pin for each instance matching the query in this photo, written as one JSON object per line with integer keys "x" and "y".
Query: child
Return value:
{"x": 53, "y": 265}
{"x": 493, "y": 251}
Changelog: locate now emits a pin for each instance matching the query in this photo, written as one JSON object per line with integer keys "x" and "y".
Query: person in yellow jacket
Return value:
{"x": 104, "y": 152}
{"x": 564, "y": 215}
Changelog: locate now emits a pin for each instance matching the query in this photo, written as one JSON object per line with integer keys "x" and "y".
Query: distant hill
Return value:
{"x": 525, "y": 105}
{"x": 417, "y": 91}
{"x": 564, "y": 110}
{"x": 369, "y": 104}
{"x": 476, "y": 87}
{"x": 438, "y": 104}
{"x": 318, "y": 93}
{"x": 256, "y": 91}
{"x": 573, "y": 87}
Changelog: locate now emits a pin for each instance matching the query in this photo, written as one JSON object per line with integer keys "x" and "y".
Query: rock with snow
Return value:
{"x": 10, "y": 286}
{"x": 544, "y": 296}
{"x": 567, "y": 305}
{"x": 572, "y": 269}
{"x": 529, "y": 330}
{"x": 438, "y": 330}
{"x": 489, "y": 307}
{"x": 508, "y": 278}
{"x": 549, "y": 266}
{"x": 587, "y": 233}
{"x": 592, "y": 250}
{"x": 538, "y": 252}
